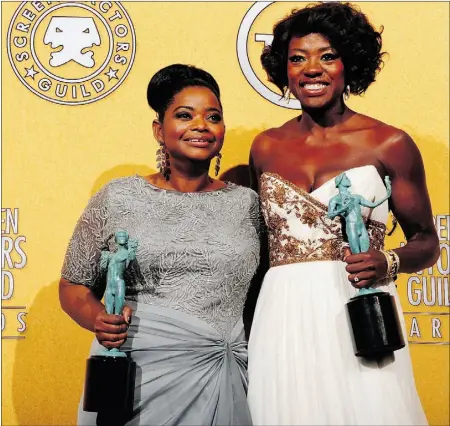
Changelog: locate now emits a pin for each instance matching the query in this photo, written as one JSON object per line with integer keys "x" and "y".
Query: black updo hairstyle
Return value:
{"x": 347, "y": 29}
{"x": 169, "y": 81}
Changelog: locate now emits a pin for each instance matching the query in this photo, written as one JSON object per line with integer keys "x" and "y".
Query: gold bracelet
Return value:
{"x": 389, "y": 263}
{"x": 393, "y": 263}
{"x": 395, "y": 268}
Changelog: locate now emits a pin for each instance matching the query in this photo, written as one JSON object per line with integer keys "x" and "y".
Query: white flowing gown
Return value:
{"x": 302, "y": 367}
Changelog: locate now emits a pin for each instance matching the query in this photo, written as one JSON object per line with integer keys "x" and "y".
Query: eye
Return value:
{"x": 329, "y": 56}
{"x": 215, "y": 118}
{"x": 296, "y": 58}
{"x": 183, "y": 115}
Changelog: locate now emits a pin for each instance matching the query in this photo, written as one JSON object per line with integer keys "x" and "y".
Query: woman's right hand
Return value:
{"x": 112, "y": 330}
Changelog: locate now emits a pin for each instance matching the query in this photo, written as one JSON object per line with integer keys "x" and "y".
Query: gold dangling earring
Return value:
{"x": 162, "y": 160}
{"x": 217, "y": 167}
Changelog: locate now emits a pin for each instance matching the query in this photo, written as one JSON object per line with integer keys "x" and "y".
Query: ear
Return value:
{"x": 158, "y": 131}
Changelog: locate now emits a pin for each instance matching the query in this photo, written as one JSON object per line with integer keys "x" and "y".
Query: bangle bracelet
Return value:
{"x": 393, "y": 263}
{"x": 395, "y": 269}
{"x": 388, "y": 262}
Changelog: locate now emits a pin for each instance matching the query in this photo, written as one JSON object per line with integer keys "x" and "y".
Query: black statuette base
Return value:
{"x": 375, "y": 324}
{"x": 109, "y": 385}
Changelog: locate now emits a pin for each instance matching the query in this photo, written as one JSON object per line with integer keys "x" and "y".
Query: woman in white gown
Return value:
{"x": 302, "y": 368}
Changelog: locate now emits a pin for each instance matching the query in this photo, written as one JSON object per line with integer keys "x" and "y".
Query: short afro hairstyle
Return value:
{"x": 347, "y": 29}
{"x": 169, "y": 81}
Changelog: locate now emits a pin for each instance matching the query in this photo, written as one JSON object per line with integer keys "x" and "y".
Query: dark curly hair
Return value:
{"x": 347, "y": 29}
{"x": 169, "y": 81}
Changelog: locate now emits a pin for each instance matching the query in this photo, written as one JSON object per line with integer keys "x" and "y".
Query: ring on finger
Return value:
{"x": 356, "y": 279}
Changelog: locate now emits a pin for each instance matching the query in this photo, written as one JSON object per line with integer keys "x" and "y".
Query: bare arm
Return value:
{"x": 260, "y": 153}
{"x": 411, "y": 204}
{"x": 255, "y": 174}
{"x": 83, "y": 306}
{"x": 80, "y": 303}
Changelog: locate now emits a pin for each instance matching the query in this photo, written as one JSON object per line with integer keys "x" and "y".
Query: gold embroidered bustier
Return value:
{"x": 298, "y": 225}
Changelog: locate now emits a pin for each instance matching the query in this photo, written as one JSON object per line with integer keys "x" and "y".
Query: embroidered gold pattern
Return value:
{"x": 280, "y": 200}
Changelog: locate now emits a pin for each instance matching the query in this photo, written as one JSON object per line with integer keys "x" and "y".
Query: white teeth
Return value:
{"x": 315, "y": 86}
{"x": 200, "y": 141}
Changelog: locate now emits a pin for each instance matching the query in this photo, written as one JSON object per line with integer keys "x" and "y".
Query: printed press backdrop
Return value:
{"x": 73, "y": 121}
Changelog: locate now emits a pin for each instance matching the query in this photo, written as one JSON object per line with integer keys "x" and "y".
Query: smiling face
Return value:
{"x": 315, "y": 71}
{"x": 193, "y": 126}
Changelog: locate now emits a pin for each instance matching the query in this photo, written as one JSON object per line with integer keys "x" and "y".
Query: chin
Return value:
{"x": 317, "y": 103}
{"x": 200, "y": 156}
{"x": 313, "y": 103}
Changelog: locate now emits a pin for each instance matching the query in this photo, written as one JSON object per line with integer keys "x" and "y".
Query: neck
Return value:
{"x": 188, "y": 178}
{"x": 326, "y": 117}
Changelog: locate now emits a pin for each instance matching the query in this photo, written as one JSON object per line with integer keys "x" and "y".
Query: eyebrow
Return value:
{"x": 322, "y": 49}
{"x": 192, "y": 109}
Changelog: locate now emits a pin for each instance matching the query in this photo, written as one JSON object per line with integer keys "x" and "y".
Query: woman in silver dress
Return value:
{"x": 198, "y": 249}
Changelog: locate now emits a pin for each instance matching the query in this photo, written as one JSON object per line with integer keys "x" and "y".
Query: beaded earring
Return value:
{"x": 162, "y": 160}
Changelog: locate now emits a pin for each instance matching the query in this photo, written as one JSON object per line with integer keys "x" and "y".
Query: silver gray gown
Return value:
{"x": 196, "y": 256}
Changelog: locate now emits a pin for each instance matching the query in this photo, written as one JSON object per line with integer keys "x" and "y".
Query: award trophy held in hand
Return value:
{"x": 373, "y": 313}
{"x": 110, "y": 375}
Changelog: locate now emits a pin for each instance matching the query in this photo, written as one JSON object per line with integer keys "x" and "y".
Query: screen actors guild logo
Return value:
{"x": 249, "y": 46}
{"x": 73, "y": 34}
{"x": 71, "y": 53}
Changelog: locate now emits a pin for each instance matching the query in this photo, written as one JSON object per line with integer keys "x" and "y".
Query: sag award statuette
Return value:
{"x": 373, "y": 313}
{"x": 110, "y": 375}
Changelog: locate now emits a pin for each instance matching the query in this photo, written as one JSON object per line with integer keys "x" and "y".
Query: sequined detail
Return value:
{"x": 298, "y": 225}
{"x": 197, "y": 252}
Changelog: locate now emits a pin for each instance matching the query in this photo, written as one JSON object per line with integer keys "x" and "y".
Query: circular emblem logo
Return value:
{"x": 71, "y": 53}
{"x": 255, "y": 32}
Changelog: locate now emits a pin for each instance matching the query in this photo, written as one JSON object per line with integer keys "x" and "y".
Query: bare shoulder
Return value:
{"x": 268, "y": 140}
{"x": 385, "y": 135}
{"x": 396, "y": 144}
{"x": 395, "y": 148}
{"x": 386, "y": 139}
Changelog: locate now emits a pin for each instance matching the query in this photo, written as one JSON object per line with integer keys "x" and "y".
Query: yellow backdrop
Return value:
{"x": 56, "y": 156}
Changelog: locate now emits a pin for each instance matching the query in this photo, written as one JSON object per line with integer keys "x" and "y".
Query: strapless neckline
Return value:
{"x": 304, "y": 192}
{"x": 297, "y": 221}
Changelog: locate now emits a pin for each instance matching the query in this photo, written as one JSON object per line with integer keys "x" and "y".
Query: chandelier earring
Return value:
{"x": 217, "y": 166}
{"x": 162, "y": 160}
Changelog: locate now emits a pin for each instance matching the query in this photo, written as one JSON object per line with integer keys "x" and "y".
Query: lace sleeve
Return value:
{"x": 82, "y": 259}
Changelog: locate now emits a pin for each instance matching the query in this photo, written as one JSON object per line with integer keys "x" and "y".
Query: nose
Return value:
{"x": 313, "y": 68}
{"x": 200, "y": 124}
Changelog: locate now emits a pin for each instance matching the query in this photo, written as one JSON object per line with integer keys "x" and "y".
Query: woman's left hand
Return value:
{"x": 365, "y": 269}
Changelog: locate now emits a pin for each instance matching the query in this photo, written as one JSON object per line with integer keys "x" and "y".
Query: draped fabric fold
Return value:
{"x": 187, "y": 374}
